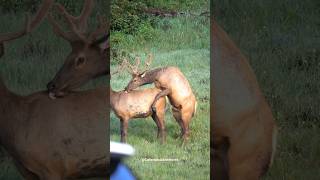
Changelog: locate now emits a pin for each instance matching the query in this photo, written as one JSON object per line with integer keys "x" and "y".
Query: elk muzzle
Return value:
{"x": 53, "y": 91}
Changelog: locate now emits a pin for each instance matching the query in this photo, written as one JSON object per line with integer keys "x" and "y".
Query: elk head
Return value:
{"x": 89, "y": 57}
{"x": 138, "y": 76}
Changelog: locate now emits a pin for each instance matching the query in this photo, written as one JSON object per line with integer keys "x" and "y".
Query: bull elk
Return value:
{"x": 137, "y": 104}
{"x": 243, "y": 131}
{"x": 53, "y": 140}
{"x": 173, "y": 84}
{"x": 90, "y": 55}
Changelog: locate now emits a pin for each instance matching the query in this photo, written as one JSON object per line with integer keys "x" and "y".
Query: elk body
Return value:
{"x": 90, "y": 54}
{"x": 60, "y": 139}
{"x": 137, "y": 104}
{"x": 243, "y": 131}
{"x": 173, "y": 84}
{"x": 53, "y": 140}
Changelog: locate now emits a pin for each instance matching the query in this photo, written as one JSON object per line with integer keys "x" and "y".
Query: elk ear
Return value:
{"x": 143, "y": 75}
{"x": 80, "y": 61}
{"x": 103, "y": 44}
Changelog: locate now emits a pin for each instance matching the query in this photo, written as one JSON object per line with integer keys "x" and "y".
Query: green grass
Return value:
{"x": 185, "y": 44}
{"x": 28, "y": 65}
{"x": 281, "y": 40}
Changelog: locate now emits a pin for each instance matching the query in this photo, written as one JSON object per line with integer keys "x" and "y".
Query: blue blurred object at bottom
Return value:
{"x": 122, "y": 173}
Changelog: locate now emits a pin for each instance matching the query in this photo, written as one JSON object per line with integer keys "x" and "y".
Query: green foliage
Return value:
{"x": 132, "y": 27}
{"x": 73, "y": 6}
{"x": 179, "y": 5}
{"x": 126, "y": 15}
{"x": 18, "y": 5}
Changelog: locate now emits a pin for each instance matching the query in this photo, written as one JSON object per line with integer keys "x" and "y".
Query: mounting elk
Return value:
{"x": 173, "y": 84}
{"x": 243, "y": 131}
{"x": 53, "y": 140}
{"x": 137, "y": 104}
{"x": 90, "y": 54}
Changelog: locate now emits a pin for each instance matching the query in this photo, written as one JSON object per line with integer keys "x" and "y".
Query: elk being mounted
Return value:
{"x": 243, "y": 131}
{"x": 54, "y": 140}
{"x": 173, "y": 84}
{"x": 89, "y": 57}
{"x": 137, "y": 104}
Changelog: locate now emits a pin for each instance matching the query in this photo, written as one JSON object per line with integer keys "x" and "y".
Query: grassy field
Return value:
{"x": 184, "y": 42}
{"x": 28, "y": 65}
{"x": 282, "y": 41}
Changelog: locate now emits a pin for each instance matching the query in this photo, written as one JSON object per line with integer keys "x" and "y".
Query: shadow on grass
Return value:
{"x": 145, "y": 129}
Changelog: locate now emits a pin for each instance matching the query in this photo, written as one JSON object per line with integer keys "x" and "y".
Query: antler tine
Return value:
{"x": 132, "y": 68}
{"x": 102, "y": 29}
{"x": 29, "y": 26}
{"x": 41, "y": 14}
{"x": 70, "y": 20}
{"x": 148, "y": 62}
{"x": 121, "y": 67}
{"x": 85, "y": 13}
{"x": 14, "y": 35}
{"x": 58, "y": 30}
{"x": 136, "y": 66}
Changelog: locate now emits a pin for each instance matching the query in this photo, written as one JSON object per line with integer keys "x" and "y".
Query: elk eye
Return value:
{"x": 80, "y": 61}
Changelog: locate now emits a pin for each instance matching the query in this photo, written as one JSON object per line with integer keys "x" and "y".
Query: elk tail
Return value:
{"x": 195, "y": 108}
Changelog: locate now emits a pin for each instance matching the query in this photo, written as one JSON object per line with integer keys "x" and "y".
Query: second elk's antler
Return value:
{"x": 135, "y": 68}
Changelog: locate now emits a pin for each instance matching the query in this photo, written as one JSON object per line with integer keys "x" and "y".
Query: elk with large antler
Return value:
{"x": 173, "y": 84}
{"x": 54, "y": 140}
{"x": 89, "y": 57}
{"x": 243, "y": 131}
{"x": 137, "y": 104}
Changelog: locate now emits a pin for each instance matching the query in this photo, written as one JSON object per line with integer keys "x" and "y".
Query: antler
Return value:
{"x": 29, "y": 26}
{"x": 121, "y": 67}
{"x": 78, "y": 24}
{"x": 148, "y": 62}
{"x": 103, "y": 28}
{"x": 135, "y": 68}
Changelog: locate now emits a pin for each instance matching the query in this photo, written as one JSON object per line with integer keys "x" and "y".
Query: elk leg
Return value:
{"x": 177, "y": 115}
{"x": 186, "y": 111}
{"x": 158, "y": 117}
{"x": 123, "y": 129}
{"x": 156, "y": 120}
{"x": 163, "y": 93}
